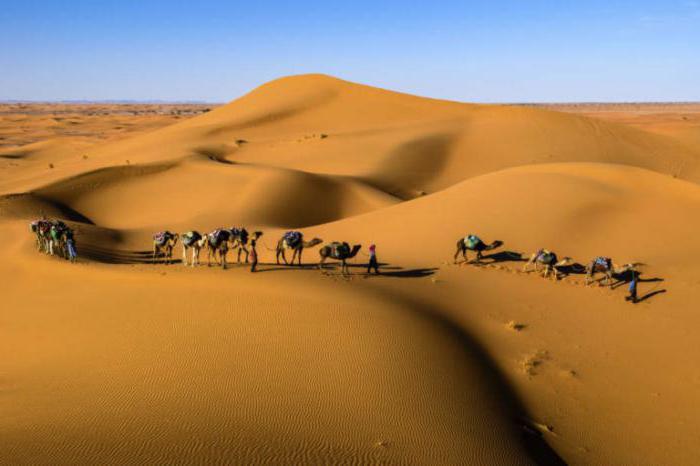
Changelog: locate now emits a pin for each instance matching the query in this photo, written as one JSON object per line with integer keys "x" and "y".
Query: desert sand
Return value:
{"x": 117, "y": 360}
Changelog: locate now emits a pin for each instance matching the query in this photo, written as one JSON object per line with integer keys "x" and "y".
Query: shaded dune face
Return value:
{"x": 164, "y": 365}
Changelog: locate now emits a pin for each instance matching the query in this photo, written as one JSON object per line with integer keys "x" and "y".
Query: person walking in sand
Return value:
{"x": 633, "y": 288}
{"x": 253, "y": 256}
{"x": 373, "y": 264}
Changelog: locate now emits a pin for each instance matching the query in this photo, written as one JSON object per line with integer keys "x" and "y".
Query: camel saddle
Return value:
{"x": 160, "y": 238}
{"x": 603, "y": 262}
{"x": 472, "y": 241}
{"x": 190, "y": 237}
{"x": 292, "y": 238}
{"x": 340, "y": 249}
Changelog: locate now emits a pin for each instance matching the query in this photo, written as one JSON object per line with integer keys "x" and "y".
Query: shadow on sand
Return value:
{"x": 113, "y": 256}
{"x": 385, "y": 270}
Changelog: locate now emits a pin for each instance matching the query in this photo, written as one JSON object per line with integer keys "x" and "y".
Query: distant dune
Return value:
{"x": 115, "y": 360}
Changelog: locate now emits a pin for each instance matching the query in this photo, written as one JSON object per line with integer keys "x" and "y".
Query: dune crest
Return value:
{"x": 119, "y": 359}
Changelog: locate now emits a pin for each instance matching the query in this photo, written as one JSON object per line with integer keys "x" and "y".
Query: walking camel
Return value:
{"x": 195, "y": 241}
{"x": 474, "y": 243}
{"x": 606, "y": 266}
{"x": 239, "y": 241}
{"x": 294, "y": 240}
{"x": 218, "y": 241}
{"x": 549, "y": 260}
{"x": 163, "y": 244}
{"x": 338, "y": 251}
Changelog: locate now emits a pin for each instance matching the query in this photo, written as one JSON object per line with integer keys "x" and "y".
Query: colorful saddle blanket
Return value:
{"x": 160, "y": 238}
{"x": 546, "y": 257}
{"x": 240, "y": 233}
{"x": 219, "y": 236}
{"x": 471, "y": 241}
{"x": 605, "y": 262}
{"x": 292, "y": 238}
{"x": 189, "y": 238}
{"x": 340, "y": 249}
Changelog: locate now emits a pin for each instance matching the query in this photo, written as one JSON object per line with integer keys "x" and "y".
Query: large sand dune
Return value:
{"x": 117, "y": 360}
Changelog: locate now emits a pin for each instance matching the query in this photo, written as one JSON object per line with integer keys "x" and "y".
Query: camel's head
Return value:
{"x": 564, "y": 261}
{"x": 257, "y": 234}
{"x": 355, "y": 249}
{"x": 314, "y": 242}
{"x": 624, "y": 268}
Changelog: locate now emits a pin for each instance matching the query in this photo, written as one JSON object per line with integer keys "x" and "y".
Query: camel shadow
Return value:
{"x": 504, "y": 256}
{"x": 650, "y": 295}
{"x": 274, "y": 267}
{"x": 393, "y": 271}
{"x": 571, "y": 269}
{"x": 385, "y": 269}
{"x": 114, "y": 256}
{"x": 496, "y": 257}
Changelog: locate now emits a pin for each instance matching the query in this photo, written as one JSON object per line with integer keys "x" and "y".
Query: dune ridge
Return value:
{"x": 117, "y": 359}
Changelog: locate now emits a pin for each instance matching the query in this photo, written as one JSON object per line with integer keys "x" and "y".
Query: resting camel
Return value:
{"x": 298, "y": 246}
{"x": 164, "y": 243}
{"x": 195, "y": 241}
{"x": 218, "y": 242}
{"x": 549, "y": 260}
{"x": 606, "y": 266}
{"x": 474, "y": 243}
{"x": 339, "y": 251}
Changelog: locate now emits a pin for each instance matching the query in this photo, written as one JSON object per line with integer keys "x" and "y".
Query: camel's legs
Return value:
{"x": 222, "y": 253}
{"x": 300, "y": 250}
{"x": 242, "y": 248}
{"x": 459, "y": 249}
{"x": 320, "y": 262}
{"x": 184, "y": 255}
{"x": 155, "y": 250}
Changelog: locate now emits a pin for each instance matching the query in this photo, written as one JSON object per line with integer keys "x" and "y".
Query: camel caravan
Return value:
{"x": 54, "y": 238}
{"x": 547, "y": 260}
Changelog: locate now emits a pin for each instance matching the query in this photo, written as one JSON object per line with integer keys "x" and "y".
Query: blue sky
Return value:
{"x": 486, "y": 51}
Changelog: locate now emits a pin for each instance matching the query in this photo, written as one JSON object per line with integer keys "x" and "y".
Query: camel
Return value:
{"x": 474, "y": 243}
{"x": 239, "y": 240}
{"x": 606, "y": 266}
{"x": 195, "y": 241}
{"x": 163, "y": 243}
{"x": 339, "y": 251}
{"x": 41, "y": 228}
{"x": 549, "y": 260}
{"x": 294, "y": 240}
{"x": 57, "y": 238}
{"x": 218, "y": 242}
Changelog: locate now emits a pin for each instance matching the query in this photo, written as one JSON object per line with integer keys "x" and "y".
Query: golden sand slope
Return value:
{"x": 117, "y": 360}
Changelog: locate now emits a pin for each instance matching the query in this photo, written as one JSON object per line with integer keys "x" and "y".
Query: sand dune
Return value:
{"x": 118, "y": 360}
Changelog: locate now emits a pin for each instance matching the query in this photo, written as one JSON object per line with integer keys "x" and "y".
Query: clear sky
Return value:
{"x": 487, "y": 51}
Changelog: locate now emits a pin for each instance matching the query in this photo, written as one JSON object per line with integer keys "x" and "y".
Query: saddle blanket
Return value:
{"x": 292, "y": 238}
{"x": 471, "y": 241}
